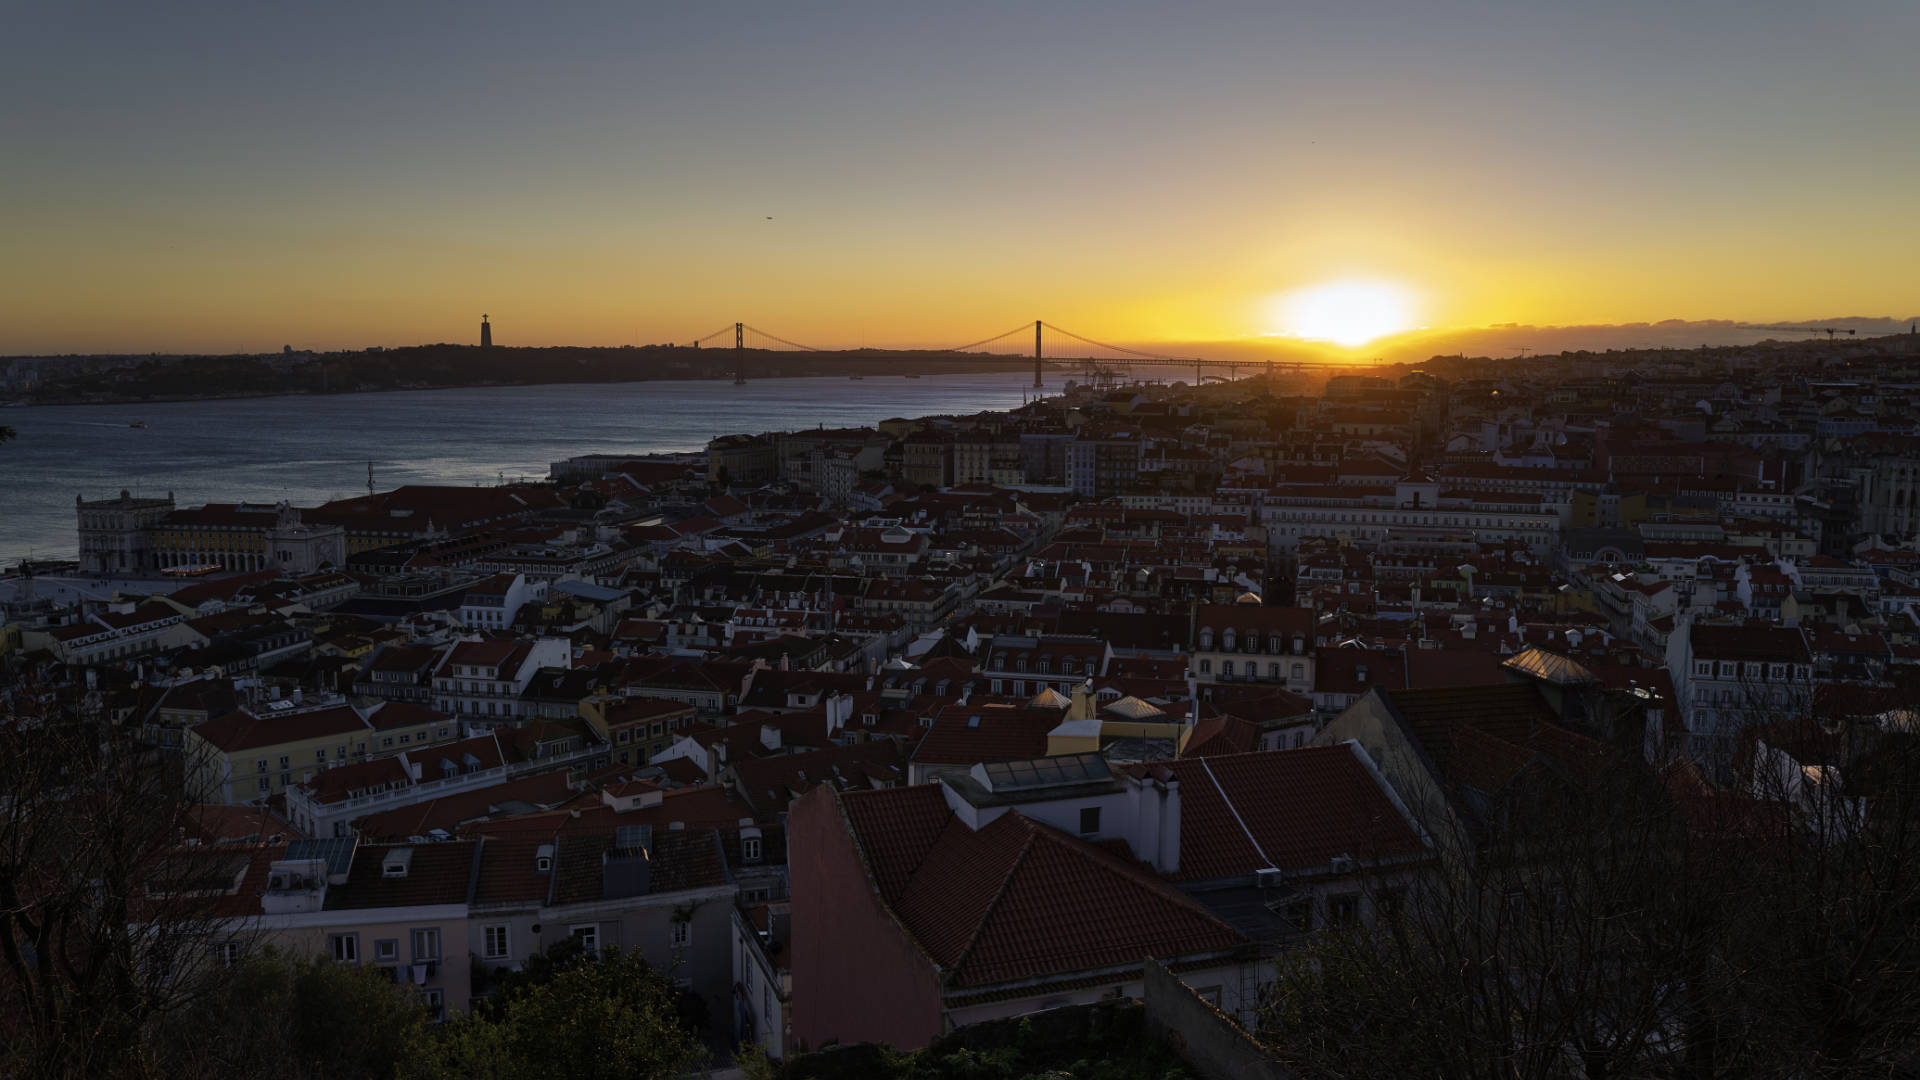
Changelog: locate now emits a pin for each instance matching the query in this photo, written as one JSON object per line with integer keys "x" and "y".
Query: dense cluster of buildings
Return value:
{"x": 876, "y": 732}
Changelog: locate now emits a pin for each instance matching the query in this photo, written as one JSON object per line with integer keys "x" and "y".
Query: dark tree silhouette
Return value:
{"x": 109, "y": 922}
{"x": 1634, "y": 922}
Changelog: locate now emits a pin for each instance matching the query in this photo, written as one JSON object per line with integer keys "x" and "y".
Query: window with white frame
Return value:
{"x": 426, "y": 944}
{"x": 682, "y": 935}
{"x": 345, "y": 947}
{"x": 588, "y": 936}
{"x": 227, "y": 952}
{"x": 494, "y": 942}
{"x": 386, "y": 950}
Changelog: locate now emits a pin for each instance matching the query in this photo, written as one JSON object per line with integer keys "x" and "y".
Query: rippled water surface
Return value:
{"x": 311, "y": 449}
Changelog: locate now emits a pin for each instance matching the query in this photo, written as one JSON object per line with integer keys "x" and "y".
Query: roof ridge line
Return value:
{"x": 999, "y": 894}
{"x": 873, "y": 880}
{"x": 1235, "y": 811}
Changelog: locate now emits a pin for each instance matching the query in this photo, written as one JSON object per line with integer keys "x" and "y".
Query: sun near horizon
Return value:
{"x": 1348, "y": 312}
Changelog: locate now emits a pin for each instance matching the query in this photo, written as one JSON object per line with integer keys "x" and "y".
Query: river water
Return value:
{"x": 311, "y": 449}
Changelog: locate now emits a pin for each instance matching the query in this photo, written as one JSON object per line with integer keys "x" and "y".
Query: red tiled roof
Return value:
{"x": 770, "y": 783}
{"x": 677, "y": 859}
{"x": 242, "y": 730}
{"x": 1761, "y": 643}
{"x": 402, "y": 658}
{"x": 1337, "y": 670}
{"x": 1303, "y": 807}
{"x": 1482, "y": 736}
{"x": 509, "y": 871}
{"x": 142, "y": 615}
{"x": 1435, "y": 668}
{"x": 337, "y": 784}
{"x": 895, "y": 829}
{"x": 437, "y": 874}
{"x": 1018, "y": 899}
{"x": 398, "y": 714}
{"x": 1259, "y": 618}
{"x": 1004, "y": 732}
{"x": 224, "y": 588}
{"x": 548, "y": 789}
{"x": 1258, "y": 702}
{"x": 1221, "y": 734}
{"x": 641, "y": 709}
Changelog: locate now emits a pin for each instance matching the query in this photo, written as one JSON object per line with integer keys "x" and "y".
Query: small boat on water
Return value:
{"x": 138, "y": 423}
{"x": 912, "y": 376}
{"x": 856, "y": 376}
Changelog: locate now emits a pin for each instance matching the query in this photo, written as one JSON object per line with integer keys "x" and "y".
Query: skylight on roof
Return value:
{"x": 1048, "y": 772}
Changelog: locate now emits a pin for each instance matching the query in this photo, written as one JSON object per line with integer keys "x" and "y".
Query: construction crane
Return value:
{"x": 1808, "y": 330}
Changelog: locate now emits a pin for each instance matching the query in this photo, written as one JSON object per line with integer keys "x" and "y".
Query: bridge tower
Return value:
{"x": 1036, "y": 354}
{"x": 739, "y": 354}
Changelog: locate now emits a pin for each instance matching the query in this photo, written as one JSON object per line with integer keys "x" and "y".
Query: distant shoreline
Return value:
{"x": 956, "y": 368}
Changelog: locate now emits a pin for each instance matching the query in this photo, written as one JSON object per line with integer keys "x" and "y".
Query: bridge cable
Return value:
{"x": 1115, "y": 348}
{"x": 975, "y": 344}
{"x": 784, "y": 341}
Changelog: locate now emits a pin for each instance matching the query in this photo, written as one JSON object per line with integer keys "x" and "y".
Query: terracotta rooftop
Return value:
{"x": 242, "y": 730}
{"x": 457, "y": 813}
{"x": 1303, "y": 807}
{"x": 970, "y": 734}
{"x": 1221, "y": 734}
{"x": 435, "y": 874}
{"x": 1482, "y": 736}
{"x": 1018, "y": 899}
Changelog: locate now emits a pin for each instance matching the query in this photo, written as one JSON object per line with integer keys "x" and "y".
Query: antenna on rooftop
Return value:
{"x": 369, "y": 478}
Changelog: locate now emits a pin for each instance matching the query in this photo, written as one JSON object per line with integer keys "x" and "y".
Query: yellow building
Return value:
{"x": 1088, "y": 724}
{"x": 248, "y": 755}
{"x": 636, "y": 728}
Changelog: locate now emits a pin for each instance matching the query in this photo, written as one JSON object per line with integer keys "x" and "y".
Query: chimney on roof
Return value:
{"x": 1081, "y": 707}
{"x": 1155, "y": 800}
{"x": 839, "y": 708}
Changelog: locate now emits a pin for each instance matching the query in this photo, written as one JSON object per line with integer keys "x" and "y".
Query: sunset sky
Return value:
{"x": 241, "y": 176}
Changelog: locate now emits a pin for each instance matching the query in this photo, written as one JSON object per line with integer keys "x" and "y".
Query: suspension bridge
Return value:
{"x": 1100, "y": 362}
